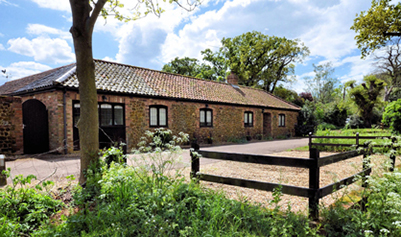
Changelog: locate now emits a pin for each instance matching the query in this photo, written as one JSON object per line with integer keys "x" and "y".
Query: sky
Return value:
{"x": 34, "y": 34}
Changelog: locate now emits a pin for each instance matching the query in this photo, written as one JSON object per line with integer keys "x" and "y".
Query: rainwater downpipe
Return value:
{"x": 65, "y": 121}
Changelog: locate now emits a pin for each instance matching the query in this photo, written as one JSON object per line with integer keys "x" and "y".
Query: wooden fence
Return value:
{"x": 313, "y": 193}
{"x": 357, "y": 144}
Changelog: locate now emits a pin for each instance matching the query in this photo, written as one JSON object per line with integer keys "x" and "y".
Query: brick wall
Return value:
{"x": 228, "y": 120}
{"x": 53, "y": 101}
{"x": 11, "y": 136}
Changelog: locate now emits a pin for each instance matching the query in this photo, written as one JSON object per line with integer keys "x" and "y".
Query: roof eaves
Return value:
{"x": 66, "y": 75}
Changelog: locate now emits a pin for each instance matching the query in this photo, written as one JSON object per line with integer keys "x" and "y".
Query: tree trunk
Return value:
{"x": 387, "y": 93}
{"x": 88, "y": 124}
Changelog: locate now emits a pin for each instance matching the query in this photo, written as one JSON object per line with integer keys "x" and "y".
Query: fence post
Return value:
{"x": 314, "y": 178}
{"x": 392, "y": 155}
{"x": 310, "y": 140}
{"x": 365, "y": 165}
{"x": 357, "y": 140}
{"x": 194, "y": 161}
{"x": 3, "y": 178}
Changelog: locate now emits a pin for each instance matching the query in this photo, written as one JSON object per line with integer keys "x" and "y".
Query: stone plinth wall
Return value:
{"x": 11, "y": 128}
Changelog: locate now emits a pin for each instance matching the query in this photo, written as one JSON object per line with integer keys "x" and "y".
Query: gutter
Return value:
{"x": 65, "y": 121}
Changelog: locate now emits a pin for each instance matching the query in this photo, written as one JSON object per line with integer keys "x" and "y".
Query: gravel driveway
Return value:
{"x": 59, "y": 166}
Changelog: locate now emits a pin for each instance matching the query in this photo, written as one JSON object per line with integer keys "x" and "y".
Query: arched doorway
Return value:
{"x": 36, "y": 127}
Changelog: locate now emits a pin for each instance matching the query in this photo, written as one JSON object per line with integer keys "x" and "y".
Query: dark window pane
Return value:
{"x": 118, "y": 115}
{"x": 106, "y": 115}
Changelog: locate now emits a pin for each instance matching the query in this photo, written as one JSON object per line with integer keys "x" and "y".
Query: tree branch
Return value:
{"x": 95, "y": 13}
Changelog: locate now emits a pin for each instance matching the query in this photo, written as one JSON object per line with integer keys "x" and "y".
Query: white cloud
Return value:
{"x": 24, "y": 68}
{"x": 107, "y": 58}
{"x": 38, "y": 29}
{"x": 61, "y": 5}
{"x": 2, "y": 47}
{"x": 7, "y": 3}
{"x": 43, "y": 49}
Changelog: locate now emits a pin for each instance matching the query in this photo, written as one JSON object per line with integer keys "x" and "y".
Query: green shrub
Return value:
{"x": 382, "y": 216}
{"x": 307, "y": 121}
{"x": 392, "y": 116}
{"x": 24, "y": 209}
{"x": 354, "y": 121}
{"x": 114, "y": 154}
{"x": 335, "y": 116}
{"x": 326, "y": 126}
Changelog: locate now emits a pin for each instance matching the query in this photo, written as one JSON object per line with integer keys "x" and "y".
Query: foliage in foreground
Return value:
{"x": 147, "y": 200}
{"x": 24, "y": 208}
{"x": 134, "y": 204}
{"x": 383, "y": 212}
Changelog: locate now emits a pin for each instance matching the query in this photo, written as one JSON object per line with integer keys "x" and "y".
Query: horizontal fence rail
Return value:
{"x": 246, "y": 183}
{"x": 258, "y": 159}
{"x": 313, "y": 192}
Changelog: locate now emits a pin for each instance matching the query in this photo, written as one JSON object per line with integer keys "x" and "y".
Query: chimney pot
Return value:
{"x": 232, "y": 79}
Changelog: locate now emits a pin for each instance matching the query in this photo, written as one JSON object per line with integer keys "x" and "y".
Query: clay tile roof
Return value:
{"x": 120, "y": 78}
{"x": 30, "y": 81}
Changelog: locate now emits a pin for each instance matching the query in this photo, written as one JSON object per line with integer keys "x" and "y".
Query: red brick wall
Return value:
{"x": 54, "y": 104}
{"x": 228, "y": 120}
{"x": 11, "y": 136}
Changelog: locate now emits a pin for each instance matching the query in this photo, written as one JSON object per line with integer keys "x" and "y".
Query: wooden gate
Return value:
{"x": 36, "y": 127}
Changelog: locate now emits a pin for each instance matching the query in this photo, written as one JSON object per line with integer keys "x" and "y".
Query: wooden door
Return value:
{"x": 267, "y": 125}
{"x": 36, "y": 127}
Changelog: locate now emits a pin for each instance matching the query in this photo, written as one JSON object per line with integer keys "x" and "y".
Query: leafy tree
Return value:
{"x": 183, "y": 66}
{"x": 84, "y": 17}
{"x": 306, "y": 96}
{"x": 395, "y": 95}
{"x": 375, "y": 27}
{"x": 392, "y": 116}
{"x": 262, "y": 60}
{"x": 323, "y": 84}
{"x": 192, "y": 67}
{"x": 218, "y": 63}
{"x": 366, "y": 97}
{"x": 288, "y": 95}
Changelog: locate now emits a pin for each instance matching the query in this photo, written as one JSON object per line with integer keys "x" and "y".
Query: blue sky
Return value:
{"x": 34, "y": 34}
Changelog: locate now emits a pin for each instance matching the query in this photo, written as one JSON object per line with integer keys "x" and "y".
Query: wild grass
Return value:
{"x": 348, "y": 132}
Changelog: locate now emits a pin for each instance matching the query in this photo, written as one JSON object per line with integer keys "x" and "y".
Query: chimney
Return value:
{"x": 232, "y": 79}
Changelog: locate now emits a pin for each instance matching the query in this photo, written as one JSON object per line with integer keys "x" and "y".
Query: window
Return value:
{"x": 111, "y": 114}
{"x": 158, "y": 116}
{"x": 206, "y": 118}
{"x": 281, "y": 120}
{"x": 248, "y": 119}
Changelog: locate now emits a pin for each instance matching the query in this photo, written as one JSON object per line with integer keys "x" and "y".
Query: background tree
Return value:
{"x": 194, "y": 68}
{"x": 260, "y": 60}
{"x": 366, "y": 97}
{"x": 392, "y": 116}
{"x": 375, "y": 27}
{"x": 388, "y": 63}
{"x": 288, "y": 95}
{"x": 322, "y": 85}
{"x": 84, "y": 17}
